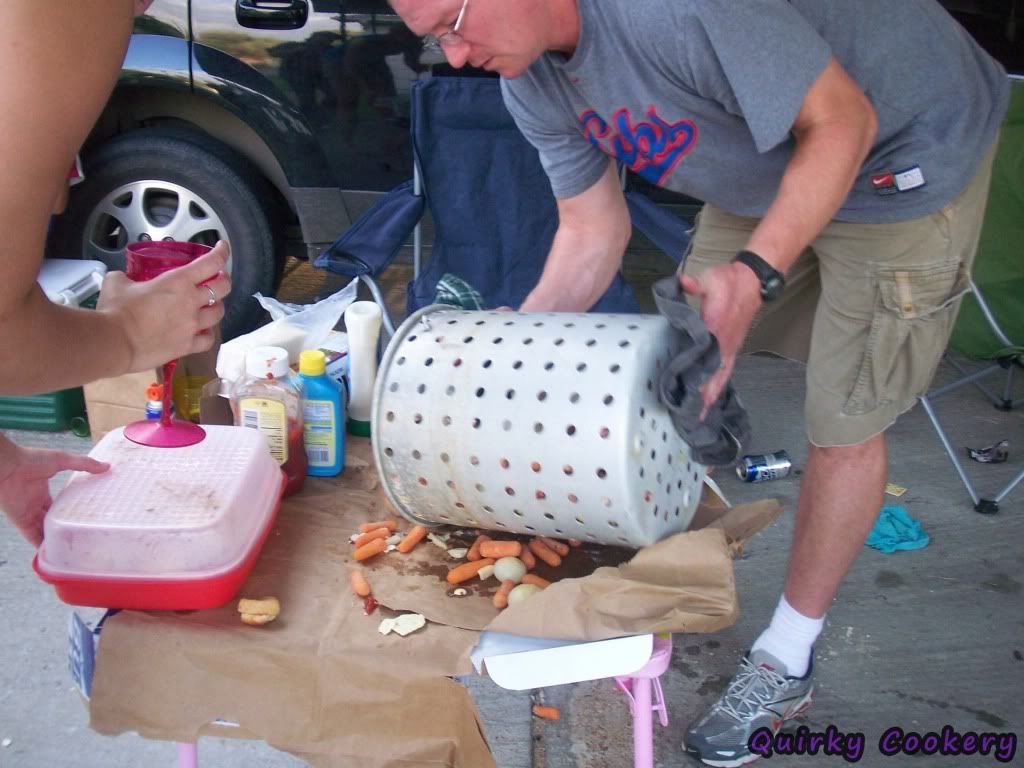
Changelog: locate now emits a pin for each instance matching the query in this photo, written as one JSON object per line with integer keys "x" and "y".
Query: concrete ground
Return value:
{"x": 918, "y": 640}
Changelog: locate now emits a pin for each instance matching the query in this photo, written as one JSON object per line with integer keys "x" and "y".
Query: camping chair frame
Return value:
{"x": 1008, "y": 363}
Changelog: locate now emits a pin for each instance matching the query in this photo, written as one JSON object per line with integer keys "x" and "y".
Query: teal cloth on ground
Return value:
{"x": 895, "y": 530}
{"x": 453, "y": 290}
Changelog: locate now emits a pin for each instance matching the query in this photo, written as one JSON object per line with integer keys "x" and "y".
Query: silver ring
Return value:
{"x": 213, "y": 296}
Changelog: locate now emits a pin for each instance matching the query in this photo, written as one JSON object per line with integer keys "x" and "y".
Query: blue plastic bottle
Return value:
{"x": 324, "y": 417}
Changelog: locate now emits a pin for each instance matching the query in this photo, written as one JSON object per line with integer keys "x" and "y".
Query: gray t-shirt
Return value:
{"x": 699, "y": 96}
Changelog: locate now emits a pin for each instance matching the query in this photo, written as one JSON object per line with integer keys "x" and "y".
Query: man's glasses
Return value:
{"x": 449, "y": 38}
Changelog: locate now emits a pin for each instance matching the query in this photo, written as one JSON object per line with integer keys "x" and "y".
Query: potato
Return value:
{"x": 522, "y": 592}
{"x": 510, "y": 569}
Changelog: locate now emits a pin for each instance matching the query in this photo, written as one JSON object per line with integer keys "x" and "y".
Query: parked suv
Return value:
{"x": 270, "y": 124}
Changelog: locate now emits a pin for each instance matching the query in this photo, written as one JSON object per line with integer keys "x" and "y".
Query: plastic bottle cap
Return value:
{"x": 312, "y": 362}
{"x": 267, "y": 362}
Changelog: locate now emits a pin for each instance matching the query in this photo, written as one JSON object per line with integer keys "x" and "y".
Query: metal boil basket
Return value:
{"x": 545, "y": 424}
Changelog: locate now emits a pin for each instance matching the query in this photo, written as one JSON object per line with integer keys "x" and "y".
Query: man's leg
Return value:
{"x": 889, "y": 297}
{"x": 840, "y": 496}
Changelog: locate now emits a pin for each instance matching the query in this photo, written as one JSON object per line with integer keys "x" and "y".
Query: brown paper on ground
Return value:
{"x": 320, "y": 681}
{"x": 681, "y": 584}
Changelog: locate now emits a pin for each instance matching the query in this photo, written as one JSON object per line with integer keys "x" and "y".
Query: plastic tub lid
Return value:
{"x": 164, "y": 512}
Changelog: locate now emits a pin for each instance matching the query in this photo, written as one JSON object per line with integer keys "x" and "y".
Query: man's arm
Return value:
{"x": 834, "y": 130}
{"x": 593, "y": 231}
{"x": 62, "y": 61}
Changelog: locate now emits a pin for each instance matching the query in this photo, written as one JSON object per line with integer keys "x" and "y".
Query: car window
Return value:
{"x": 348, "y": 68}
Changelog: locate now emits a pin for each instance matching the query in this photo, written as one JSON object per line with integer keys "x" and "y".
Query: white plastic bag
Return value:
{"x": 294, "y": 327}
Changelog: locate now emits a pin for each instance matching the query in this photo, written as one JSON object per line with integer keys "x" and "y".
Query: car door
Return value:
{"x": 346, "y": 66}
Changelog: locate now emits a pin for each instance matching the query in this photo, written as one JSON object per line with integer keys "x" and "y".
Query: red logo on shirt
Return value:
{"x": 652, "y": 148}
{"x": 883, "y": 180}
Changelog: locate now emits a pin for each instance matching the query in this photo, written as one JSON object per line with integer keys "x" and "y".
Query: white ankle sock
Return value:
{"x": 790, "y": 637}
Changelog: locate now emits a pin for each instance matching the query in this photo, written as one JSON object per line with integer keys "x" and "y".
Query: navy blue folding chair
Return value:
{"x": 493, "y": 212}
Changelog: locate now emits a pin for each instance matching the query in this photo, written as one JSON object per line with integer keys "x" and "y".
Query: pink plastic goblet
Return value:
{"x": 144, "y": 261}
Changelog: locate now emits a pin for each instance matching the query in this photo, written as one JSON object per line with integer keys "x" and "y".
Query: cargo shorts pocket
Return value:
{"x": 914, "y": 312}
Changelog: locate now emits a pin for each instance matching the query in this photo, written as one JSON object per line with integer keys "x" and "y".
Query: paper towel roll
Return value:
{"x": 362, "y": 321}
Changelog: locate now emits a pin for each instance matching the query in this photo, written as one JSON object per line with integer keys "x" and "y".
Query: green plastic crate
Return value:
{"x": 53, "y": 412}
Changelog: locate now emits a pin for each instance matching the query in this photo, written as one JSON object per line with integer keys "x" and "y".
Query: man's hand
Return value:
{"x": 170, "y": 316}
{"x": 730, "y": 296}
{"x": 25, "y": 487}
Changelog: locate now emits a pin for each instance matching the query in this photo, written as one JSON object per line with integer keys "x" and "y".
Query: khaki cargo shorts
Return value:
{"x": 869, "y": 307}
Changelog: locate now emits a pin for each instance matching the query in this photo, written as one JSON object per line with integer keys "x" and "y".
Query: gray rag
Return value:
{"x": 717, "y": 440}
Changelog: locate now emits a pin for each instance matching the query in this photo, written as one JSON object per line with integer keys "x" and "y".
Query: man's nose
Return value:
{"x": 457, "y": 54}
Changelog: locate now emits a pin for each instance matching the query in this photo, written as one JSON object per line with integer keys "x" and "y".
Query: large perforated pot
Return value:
{"x": 543, "y": 424}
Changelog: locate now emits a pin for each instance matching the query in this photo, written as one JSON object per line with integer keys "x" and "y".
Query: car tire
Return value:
{"x": 172, "y": 183}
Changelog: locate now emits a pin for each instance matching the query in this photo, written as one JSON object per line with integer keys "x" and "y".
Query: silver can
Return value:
{"x": 760, "y": 468}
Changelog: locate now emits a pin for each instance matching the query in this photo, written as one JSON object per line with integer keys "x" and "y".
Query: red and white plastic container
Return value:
{"x": 164, "y": 528}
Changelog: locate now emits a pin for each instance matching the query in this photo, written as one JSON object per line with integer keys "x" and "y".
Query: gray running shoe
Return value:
{"x": 760, "y": 696}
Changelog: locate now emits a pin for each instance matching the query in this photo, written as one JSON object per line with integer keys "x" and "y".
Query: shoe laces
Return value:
{"x": 753, "y": 687}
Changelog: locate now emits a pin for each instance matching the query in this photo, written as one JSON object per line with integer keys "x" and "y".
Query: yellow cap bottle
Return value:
{"x": 312, "y": 362}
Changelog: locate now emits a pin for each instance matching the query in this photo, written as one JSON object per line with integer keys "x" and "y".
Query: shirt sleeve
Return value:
{"x": 545, "y": 116}
{"x": 757, "y": 58}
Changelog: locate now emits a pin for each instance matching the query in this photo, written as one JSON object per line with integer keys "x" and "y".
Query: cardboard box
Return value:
{"x": 114, "y": 402}
{"x": 120, "y": 400}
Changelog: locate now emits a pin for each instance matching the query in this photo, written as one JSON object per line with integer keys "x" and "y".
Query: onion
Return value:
{"x": 522, "y": 592}
{"x": 510, "y": 569}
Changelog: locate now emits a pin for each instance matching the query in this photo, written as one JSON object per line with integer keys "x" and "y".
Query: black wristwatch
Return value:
{"x": 772, "y": 281}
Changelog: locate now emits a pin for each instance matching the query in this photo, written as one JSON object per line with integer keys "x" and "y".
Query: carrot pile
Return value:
{"x": 481, "y": 559}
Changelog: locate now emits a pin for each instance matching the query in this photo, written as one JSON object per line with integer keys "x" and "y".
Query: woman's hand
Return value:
{"x": 171, "y": 315}
{"x": 24, "y": 483}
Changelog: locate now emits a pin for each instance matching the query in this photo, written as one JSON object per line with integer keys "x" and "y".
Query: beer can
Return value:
{"x": 762, "y": 467}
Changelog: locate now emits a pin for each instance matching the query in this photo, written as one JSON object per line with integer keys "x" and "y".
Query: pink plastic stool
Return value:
{"x": 188, "y": 755}
{"x": 646, "y": 697}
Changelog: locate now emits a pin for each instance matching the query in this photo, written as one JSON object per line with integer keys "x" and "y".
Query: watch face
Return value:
{"x": 772, "y": 287}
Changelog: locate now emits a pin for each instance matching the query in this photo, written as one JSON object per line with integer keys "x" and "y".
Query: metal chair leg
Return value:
{"x": 982, "y": 505}
{"x": 378, "y": 297}
{"x": 950, "y": 452}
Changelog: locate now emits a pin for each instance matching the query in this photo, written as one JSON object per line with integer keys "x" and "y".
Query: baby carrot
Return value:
{"x": 537, "y": 581}
{"x": 500, "y": 598}
{"x": 474, "y": 551}
{"x": 366, "y": 538}
{"x": 360, "y": 586}
{"x": 372, "y": 549}
{"x": 541, "y": 550}
{"x": 467, "y": 571}
{"x": 528, "y": 559}
{"x": 575, "y": 543}
{"x": 547, "y": 713}
{"x": 389, "y": 524}
{"x": 498, "y": 549}
{"x": 555, "y": 546}
{"x": 412, "y": 538}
